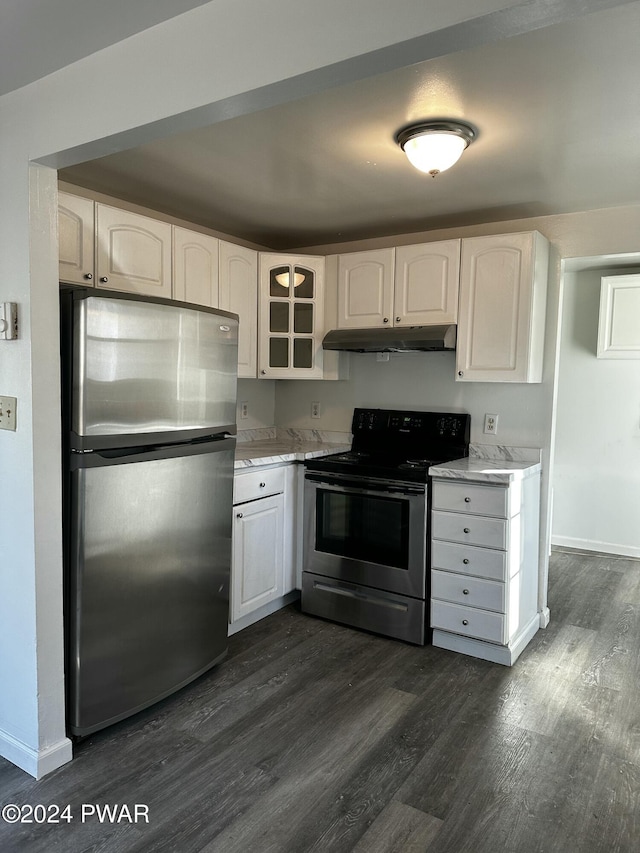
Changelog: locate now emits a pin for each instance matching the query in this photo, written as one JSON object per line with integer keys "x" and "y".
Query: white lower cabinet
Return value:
{"x": 258, "y": 533}
{"x": 263, "y": 552}
{"x": 484, "y": 566}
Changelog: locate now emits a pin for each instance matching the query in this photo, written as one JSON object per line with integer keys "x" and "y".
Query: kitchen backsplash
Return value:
{"x": 507, "y": 454}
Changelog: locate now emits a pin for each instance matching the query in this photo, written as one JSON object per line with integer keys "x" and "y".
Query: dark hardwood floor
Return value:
{"x": 316, "y": 737}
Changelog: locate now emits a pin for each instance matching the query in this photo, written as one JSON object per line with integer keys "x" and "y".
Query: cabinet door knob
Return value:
{"x": 466, "y": 561}
{"x": 385, "y": 319}
{"x": 88, "y": 276}
{"x": 460, "y": 373}
{"x": 465, "y": 621}
{"x": 467, "y": 500}
{"x": 263, "y": 372}
{"x": 398, "y": 319}
{"x": 466, "y": 530}
{"x": 262, "y": 485}
{"x": 239, "y": 515}
{"x": 465, "y": 592}
{"x": 104, "y": 279}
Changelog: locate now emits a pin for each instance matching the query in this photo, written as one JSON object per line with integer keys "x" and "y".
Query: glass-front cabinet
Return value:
{"x": 291, "y": 321}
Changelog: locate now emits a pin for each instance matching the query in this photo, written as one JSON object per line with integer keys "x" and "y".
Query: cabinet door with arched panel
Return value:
{"x": 75, "y": 239}
{"x": 133, "y": 252}
{"x": 291, "y": 317}
{"x": 238, "y": 283}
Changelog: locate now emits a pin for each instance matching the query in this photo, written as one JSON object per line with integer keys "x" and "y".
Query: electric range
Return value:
{"x": 367, "y": 521}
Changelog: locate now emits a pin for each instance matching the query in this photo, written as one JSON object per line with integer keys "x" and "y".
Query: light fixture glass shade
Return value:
{"x": 433, "y": 147}
{"x": 284, "y": 279}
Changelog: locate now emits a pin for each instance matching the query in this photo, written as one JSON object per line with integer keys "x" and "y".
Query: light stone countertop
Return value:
{"x": 272, "y": 451}
{"x": 502, "y": 471}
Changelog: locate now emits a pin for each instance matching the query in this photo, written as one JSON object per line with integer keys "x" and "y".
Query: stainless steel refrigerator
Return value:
{"x": 149, "y": 405}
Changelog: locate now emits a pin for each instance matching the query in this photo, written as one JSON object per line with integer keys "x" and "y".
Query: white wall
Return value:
{"x": 597, "y": 471}
{"x": 209, "y": 64}
{"x": 260, "y": 394}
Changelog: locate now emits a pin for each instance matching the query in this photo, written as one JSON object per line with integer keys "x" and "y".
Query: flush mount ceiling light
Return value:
{"x": 433, "y": 146}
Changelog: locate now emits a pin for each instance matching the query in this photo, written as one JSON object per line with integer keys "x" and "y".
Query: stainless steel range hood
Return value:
{"x": 396, "y": 339}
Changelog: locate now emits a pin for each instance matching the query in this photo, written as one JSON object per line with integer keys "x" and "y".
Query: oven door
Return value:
{"x": 372, "y": 534}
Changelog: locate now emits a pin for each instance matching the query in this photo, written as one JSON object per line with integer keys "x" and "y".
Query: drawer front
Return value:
{"x": 258, "y": 484}
{"x": 469, "y": 560}
{"x": 468, "y": 591}
{"x": 470, "y": 529}
{"x": 471, "y": 498}
{"x": 468, "y": 621}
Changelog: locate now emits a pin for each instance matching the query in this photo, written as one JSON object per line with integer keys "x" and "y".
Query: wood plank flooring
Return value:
{"x": 316, "y": 737}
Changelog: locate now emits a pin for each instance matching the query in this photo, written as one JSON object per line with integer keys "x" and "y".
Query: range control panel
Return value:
{"x": 393, "y": 423}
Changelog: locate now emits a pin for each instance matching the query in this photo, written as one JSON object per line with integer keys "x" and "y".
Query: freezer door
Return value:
{"x": 142, "y": 367}
{"x": 148, "y": 581}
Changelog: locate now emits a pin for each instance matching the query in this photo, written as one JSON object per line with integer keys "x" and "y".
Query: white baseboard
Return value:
{"x": 36, "y": 762}
{"x": 506, "y": 655}
{"x": 593, "y": 545}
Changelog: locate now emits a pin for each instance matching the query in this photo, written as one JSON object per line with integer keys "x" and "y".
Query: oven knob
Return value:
{"x": 465, "y": 592}
{"x": 466, "y": 530}
{"x": 465, "y": 621}
{"x": 466, "y": 561}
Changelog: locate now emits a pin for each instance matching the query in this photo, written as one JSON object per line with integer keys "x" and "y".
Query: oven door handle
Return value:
{"x": 346, "y": 485}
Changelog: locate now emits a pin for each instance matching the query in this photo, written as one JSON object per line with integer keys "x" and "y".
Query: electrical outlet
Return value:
{"x": 244, "y": 410}
{"x": 8, "y": 413}
{"x": 315, "y": 410}
{"x": 491, "y": 424}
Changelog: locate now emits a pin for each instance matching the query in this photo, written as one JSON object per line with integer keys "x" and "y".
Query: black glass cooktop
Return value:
{"x": 398, "y": 445}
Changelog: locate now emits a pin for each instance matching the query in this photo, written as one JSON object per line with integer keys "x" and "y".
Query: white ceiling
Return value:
{"x": 558, "y": 115}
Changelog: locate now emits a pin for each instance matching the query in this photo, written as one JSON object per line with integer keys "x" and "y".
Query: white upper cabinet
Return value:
{"x": 619, "y": 322}
{"x": 503, "y": 283}
{"x": 75, "y": 239}
{"x": 406, "y": 286}
{"x": 195, "y": 267}
{"x": 426, "y": 284}
{"x": 133, "y": 252}
{"x": 291, "y": 317}
{"x": 238, "y": 292}
{"x": 365, "y": 289}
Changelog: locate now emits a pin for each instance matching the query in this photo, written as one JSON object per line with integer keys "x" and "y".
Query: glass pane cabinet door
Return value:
{"x": 291, "y": 316}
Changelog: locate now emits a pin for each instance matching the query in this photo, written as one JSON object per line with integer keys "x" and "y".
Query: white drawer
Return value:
{"x": 473, "y": 498}
{"x": 468, "y": 621}
{"x": 470, "y": 560}
{"x": 257, "y": 484}
{"x": 470, "y": 529}
{"x": 468, "y": 591}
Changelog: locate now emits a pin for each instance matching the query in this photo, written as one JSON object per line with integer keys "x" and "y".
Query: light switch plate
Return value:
{"x": 8, "y": 412}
